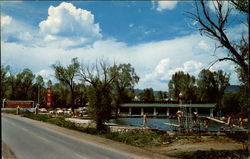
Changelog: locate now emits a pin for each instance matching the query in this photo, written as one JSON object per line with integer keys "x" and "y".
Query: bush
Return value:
{"x": 140, "y": 139}
{"x": 218, "y": 154}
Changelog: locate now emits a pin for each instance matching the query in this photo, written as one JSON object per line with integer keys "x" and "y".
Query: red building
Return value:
{"x": 20, "y": 103}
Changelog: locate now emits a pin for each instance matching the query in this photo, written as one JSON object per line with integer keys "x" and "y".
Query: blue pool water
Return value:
{"x": 158, "y": 123}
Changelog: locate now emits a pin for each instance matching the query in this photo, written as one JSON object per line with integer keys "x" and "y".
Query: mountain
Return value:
{"x": 232, "y": 89}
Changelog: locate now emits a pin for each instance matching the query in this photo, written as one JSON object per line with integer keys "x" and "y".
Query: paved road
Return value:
{"x": 30, "y": 141}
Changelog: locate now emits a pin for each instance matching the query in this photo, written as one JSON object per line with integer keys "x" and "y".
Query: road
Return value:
{"x": 31, "y": 140}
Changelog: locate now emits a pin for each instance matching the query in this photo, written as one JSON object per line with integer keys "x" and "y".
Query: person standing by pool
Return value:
{"x": 195, "y": 117}
{"x": 206, "y": 125}
{"x": 240, "y": 121}
{"x": 179, "y": 114}
{"x": 145, "y": 120}
{"x": 229, "y": 122}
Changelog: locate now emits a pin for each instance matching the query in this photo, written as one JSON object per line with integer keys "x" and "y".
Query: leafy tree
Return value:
{"x": 161, "y": 96}
{"x": 39, "y": 90}
{"x": 67, "y": 75}
{"x": 61, "y": 95}
{"x": 23, "y": 84}
{"x": 4, "y": 81}
{"x": 211, "y": 85}
{"x": 147, "y": 95}
{"x": 49, "y": 84}
{"x": 123, "y": 84}
{"x": 231, "y": 104}
{"x": 81, "y": 95}
{"x": 182, "y": 83}
{"x": 99, "y": 92}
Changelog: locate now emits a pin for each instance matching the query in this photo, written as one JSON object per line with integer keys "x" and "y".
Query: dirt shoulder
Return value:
{"x": 204, "y": 143}
{"x": 7, "y": 152}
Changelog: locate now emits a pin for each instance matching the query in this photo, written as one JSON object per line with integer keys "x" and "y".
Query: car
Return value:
{"x": 43, "y": 110}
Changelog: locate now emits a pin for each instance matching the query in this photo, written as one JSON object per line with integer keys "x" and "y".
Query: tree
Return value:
{"x": 40, "y": 90}
{"x": 147, "y": 95}
{"x": 67, "y": 75}
{"x": 231, "y": 104}
{"x": 23, "y": 85}
{"x": 215, "y": 28}
{"x": 49, "y": 84}
{"x": 123, "y": 84}
{"x": 61, "y": 95}
{"x": 4, "y": 81}
{"x": 211, "y": 85}
{"x": 161, "y": 96}
{"x": 182, "y": 83}
{"x": 241, "y": 5}
{"x": 99, "y": 92}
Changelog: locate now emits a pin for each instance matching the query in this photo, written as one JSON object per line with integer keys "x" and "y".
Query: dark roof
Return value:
{"x": 168, "y": 105}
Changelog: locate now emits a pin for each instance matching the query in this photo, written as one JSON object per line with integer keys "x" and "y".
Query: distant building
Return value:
{"x": 162, "y": 109}
{"x": 16, "y": 103}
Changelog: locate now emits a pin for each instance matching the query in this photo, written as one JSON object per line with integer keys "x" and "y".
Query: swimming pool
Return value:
{"x": 158, "y": 123}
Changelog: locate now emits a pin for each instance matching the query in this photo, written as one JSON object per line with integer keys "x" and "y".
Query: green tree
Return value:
{"x": 67, "y": 75}
{"x": 81, "y": 94}
{"x": 61, "y": 95}
{"x": 182, "y": 83}
{"x": 49, "y": 84}
{"x": 4, "y": 81}
{"x": 99, "y": 92}
{"x": 211, "y": 85}
{"x": 123, "y": 84}
{"x": 161, "y": 96}
{"x": 147, "y": 95}
{"x": 38, "y": 87}
{"x": 22, "y": 85}
{"x": 230, "y": 104}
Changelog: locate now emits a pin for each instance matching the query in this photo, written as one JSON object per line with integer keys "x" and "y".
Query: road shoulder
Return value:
{"x": 7, "y": 153}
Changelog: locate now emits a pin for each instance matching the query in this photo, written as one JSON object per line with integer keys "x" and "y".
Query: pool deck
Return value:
{"x": 223, "y": 122}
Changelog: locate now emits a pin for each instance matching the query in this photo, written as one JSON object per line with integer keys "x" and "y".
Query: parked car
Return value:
{"x": 42, "y": 110}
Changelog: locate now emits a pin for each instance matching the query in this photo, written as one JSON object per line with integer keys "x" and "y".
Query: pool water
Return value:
{"x": 158, "y": 123}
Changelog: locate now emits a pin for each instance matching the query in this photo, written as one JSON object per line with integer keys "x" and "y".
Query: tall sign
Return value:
{"x": 49, "y": 97}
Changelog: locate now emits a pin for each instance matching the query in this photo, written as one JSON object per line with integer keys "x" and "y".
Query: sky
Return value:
{"x": 156, "y": 37}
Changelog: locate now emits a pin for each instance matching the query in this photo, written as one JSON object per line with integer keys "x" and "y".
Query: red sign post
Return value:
{"x": 49, "y": 97}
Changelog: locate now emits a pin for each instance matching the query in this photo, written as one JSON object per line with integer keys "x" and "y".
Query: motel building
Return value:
{"x": 163, "y": 110}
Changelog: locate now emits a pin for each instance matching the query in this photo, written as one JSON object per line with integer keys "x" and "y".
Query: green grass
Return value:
{"x": 60, "y": 121}
{"x": 8, "y": 111}
{"x": 140, "y": 138}
{"x": 213, "y": 154}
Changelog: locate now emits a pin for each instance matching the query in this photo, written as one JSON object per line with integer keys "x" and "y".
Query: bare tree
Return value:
{"x": 215, "y": 28}
{"x": 99, "y": 91}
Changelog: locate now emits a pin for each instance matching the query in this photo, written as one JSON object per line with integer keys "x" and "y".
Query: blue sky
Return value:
{"x": 157, "y": 38}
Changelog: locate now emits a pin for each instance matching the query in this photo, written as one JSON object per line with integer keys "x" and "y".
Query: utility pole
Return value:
{"x": 38, "y": 94}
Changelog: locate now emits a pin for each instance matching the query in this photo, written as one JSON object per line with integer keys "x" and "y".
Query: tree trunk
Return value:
{"x": 99, "y": 125}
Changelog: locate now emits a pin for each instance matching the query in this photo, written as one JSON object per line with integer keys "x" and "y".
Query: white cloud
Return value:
{"x": 69, "y": 24}
{"x": 225, "y": 6}
{"x": 5, "y": 20}
{"x": 154, "y": 62}
{"x": 13, "y": 30}
{"x": 191, "y": 67}
{"x": 166, "y": 5}
{"x": 47, "y": 74}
